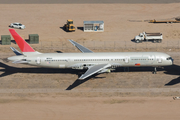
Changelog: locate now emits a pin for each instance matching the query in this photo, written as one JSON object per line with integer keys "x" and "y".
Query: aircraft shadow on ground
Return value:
{"x": 170, "y": 70}
{"x": 173, "y": 70}
{"x": 9, "y": 70}
{"x": 79, "y": 82}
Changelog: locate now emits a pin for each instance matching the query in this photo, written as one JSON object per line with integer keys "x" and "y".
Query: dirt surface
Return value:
{"x": 29, "y": 92}
{"x": 56, "y": 107}
{"x": 85, "y": 1}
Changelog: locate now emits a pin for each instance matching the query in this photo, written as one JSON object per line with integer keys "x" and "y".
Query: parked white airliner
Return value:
{"x": 93, "y": 62}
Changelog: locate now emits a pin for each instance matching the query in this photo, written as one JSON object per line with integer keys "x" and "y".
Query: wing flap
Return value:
{"x": 80, "y": 47}
{"x": 93, "y": 70}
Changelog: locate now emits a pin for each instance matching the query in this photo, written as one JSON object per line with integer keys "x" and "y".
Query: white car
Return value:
{"x": 17, "y": 25}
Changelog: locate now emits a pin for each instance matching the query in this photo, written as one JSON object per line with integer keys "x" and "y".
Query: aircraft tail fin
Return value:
{"x": 23, "y": 45}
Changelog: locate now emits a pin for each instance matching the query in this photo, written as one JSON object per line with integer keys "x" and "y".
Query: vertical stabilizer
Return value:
{"x": 23, "y": 45}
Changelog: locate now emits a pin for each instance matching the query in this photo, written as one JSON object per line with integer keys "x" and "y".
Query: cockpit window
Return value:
{"x": 169, "y": 58}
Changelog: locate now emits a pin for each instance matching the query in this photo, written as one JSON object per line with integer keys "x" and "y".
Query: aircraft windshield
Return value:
{"x": 169, "y": 58}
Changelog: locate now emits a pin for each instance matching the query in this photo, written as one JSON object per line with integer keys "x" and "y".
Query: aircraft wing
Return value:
{"x": 15, "y": 51}
{"x": 93, "y": 70}
{"x": 80, "y": 47}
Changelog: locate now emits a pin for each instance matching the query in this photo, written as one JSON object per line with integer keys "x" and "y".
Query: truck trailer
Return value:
{"x": 177, "y": 20}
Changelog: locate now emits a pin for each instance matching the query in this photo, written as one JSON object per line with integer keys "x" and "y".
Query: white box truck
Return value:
{"x": 154, "y": 37}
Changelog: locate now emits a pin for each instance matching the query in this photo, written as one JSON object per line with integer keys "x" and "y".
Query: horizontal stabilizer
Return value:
{"x": 20, "y": 61}
{"x": 15, "y": 51}
{"x": 80, "y": 47}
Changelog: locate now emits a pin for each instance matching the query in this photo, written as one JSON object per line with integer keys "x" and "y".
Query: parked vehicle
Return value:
{"x": 177, "y": 20}
{"x": 154, "y": 37}
{"x": 69, "y": 27}
{"x": 17, "y": 25}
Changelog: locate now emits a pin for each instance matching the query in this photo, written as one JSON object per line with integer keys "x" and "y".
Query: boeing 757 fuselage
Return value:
{"x": 93, "y": 62}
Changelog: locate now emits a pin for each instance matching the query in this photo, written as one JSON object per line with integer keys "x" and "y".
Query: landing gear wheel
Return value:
{"x": 155, "y": 70}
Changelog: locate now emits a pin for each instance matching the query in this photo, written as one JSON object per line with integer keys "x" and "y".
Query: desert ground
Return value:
{"x": 32, "y": 93}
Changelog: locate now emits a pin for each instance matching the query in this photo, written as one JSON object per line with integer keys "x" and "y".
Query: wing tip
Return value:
{"x": 70, "y": 40}
{"x": 81, "y": 78}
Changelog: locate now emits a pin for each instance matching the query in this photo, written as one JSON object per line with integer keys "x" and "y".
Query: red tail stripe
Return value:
{"x": 23, "y": 45}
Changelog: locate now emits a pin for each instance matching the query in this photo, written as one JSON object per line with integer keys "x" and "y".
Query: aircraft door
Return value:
{"x": 145, "y": 60}
{"x": 69, "y": 60}
{"x": 151, "y": 59}
{"x": 126, "y": 60}
{"x": 38, "y": 61}
{"x": 159, "y": 59}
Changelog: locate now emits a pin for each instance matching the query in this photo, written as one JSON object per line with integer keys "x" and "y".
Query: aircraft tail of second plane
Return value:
{"x": 23, "y": 45}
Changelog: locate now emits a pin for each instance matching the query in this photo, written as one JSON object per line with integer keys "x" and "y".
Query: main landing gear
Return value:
{"x": 155, "y": 70}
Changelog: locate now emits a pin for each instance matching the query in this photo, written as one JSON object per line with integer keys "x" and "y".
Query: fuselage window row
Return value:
{"x": 91, "y": 60}
{"x": 98, "y": 59}
{"x": 55, "y": 60}
{"x": 141, "y": 59}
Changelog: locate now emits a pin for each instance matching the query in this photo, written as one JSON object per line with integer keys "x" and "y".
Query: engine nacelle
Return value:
{"x": 105, "y": 71}
{"x": 81, "y": 66}
{"x": 78, "y": 67}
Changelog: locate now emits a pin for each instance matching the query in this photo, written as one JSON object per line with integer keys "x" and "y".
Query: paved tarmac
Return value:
{"x": 86, "y": 1}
